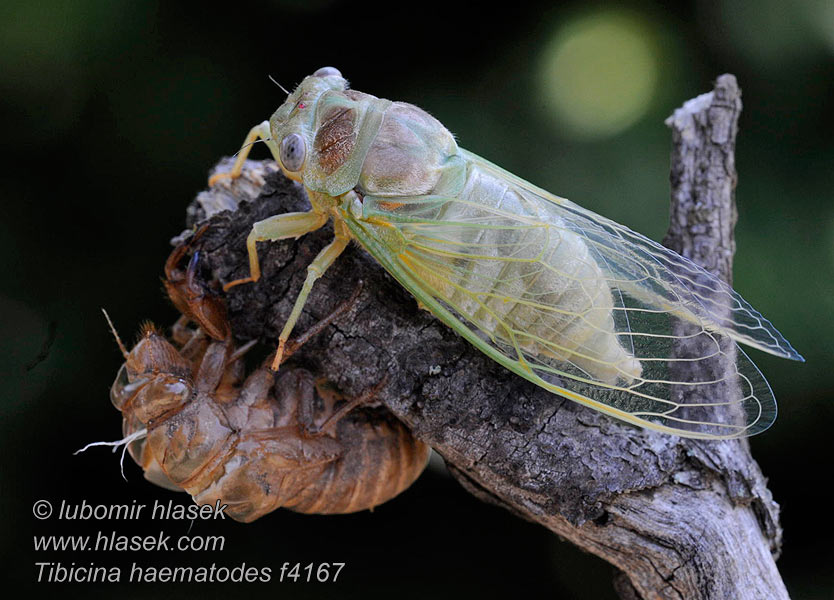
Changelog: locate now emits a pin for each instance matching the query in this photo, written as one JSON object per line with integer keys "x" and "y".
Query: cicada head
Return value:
{"x": 154, "y": 379}
{"x": 153, "y": 354}
{"x": 334, "y": 139}
{"x": 293, "y": 125}
{"x": 323, "y": 132}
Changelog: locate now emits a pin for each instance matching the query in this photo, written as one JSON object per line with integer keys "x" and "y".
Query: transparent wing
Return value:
{"x": 667, "y": 279}
{"x": 578, "y": 304}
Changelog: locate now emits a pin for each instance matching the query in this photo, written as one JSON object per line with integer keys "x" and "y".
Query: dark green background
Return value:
{"x": 113, "y": 112}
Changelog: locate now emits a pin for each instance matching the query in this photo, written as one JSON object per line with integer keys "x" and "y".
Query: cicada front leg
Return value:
{"x": 193, "y": 299}
{"x": 258, "y": 132}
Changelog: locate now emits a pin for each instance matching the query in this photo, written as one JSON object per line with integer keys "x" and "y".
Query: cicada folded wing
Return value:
{"x": 578, "y": 304}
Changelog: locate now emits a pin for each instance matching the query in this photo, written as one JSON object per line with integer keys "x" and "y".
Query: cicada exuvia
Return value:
{"x": 196, "y": 422}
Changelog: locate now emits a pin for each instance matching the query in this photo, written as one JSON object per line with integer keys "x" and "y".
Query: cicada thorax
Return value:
{"x": 360, "y": 142}
{"x": 408, "y": 156}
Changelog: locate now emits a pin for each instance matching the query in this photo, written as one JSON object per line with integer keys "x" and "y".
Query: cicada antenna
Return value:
{"x": 116, "y": 335}
{"x": 272, "y": 79}
{"x": 242, "y": 148}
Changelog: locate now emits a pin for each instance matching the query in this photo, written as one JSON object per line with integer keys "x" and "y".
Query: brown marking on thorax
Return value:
{"x": 335, "y": 138}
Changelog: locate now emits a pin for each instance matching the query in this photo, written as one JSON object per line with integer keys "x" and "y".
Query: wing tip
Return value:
{"x": 785, "y": 350}
{"x": 777, "y": 345}
{"x": 794, "y": 355}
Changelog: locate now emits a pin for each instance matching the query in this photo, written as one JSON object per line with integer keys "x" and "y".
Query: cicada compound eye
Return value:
{"x": 293, "y": 151}
{"x": 327, "y": 72}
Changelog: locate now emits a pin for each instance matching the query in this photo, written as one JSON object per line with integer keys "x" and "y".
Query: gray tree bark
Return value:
{"x": 678, "y": 518}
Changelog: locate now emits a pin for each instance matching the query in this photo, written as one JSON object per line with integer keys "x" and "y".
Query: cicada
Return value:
{"x": 574, "y": 302}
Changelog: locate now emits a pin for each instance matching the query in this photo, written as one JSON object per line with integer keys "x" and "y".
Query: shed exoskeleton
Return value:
{"x": 256, "y": 442}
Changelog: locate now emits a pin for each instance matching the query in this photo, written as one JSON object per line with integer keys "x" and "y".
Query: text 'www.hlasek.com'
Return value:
{"x": 51, "y": 566}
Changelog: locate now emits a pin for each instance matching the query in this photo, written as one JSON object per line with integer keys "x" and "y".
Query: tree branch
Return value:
{"x": 679, "y": 518}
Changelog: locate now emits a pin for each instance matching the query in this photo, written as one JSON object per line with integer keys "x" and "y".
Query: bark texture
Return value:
{"x": 678, "y": 518}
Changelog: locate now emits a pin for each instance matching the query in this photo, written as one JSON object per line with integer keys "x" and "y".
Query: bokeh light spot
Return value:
{"x": 598, "y": 74}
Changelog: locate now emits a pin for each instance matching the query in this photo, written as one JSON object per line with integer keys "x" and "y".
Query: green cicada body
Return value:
{"x": 573, "y": 302}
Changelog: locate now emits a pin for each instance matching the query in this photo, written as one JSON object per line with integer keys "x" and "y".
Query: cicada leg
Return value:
{"x": 171, "y": 270}
{"x": 331, "y": 421}
{"x": 180, "y": 332}
{"x": 191, "y": 297}
{"x": 257, "y": 132}
{"x": 293, "y": 345}
{"x": 315, "y": 270}
{"x": 279, "y": 227}
{"x": 192, "y": 343}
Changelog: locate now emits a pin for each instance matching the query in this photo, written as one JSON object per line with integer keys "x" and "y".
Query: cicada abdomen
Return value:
{"x": 368, "y": 459}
